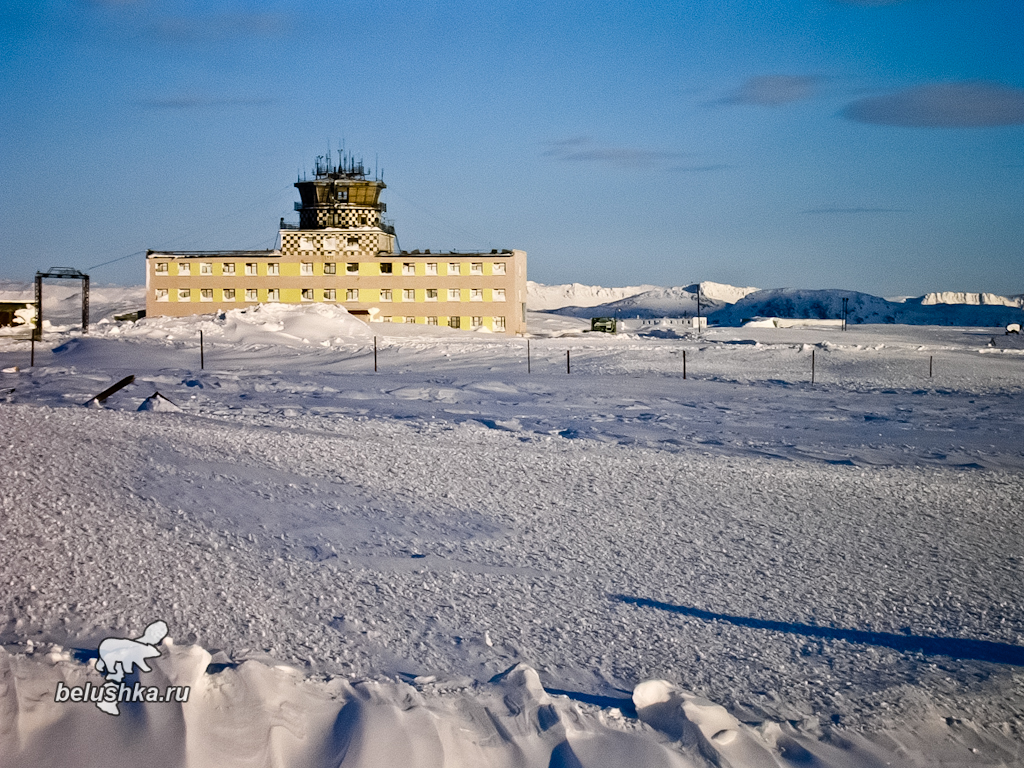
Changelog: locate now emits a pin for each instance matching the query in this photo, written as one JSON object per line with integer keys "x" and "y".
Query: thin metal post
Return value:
{"x": 37, "y": 332}
{"x": 202, "y": 356}
{"x": 374, "y": 354}
{"x": 85, "y": 305}
{"x": 684, "y": 363}
{"x": 528, "y": 356}
{"x": 568, "y": 369}
{"x": 32, "y": 358}
{"x": 929, "y": 366}
{"x": 812, "y": 366}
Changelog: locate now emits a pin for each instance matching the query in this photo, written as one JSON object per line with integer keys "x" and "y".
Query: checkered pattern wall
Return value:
{"x": 303, "y": 243}
{"x": 318, "y": 218}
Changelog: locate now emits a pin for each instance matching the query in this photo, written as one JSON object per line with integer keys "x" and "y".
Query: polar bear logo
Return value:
{"x": 119, "y": 656}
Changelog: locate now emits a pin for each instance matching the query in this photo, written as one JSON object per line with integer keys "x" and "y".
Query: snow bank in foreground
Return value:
{"x": 254, "y": 714}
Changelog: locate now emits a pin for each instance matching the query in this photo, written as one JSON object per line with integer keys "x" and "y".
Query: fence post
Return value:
{"x": 812, "y": 366}
{"x": 528, "y": 356}
{"x": 32, "y": 358}
{"x": 684, "y": 364}
{"x": 567, "y": 368}
{"x": 929, "y": 366}
{"x": 202, "y": 355}
{"x": 374, "y": 354}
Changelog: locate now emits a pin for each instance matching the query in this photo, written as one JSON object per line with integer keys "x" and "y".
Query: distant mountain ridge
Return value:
{"x": 731, "y": 306}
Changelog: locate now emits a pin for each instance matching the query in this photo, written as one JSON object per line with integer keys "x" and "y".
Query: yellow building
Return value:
{"x": 344, "y": 252}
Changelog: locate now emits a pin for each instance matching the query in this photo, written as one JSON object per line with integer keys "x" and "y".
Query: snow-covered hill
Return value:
{"x": 541, "y": 298}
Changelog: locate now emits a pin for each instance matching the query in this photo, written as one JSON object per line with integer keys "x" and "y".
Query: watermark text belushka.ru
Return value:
{"x": 119, "y": 693}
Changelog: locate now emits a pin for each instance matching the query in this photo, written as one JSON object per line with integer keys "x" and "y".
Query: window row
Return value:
{"x": 497, "y": 323}
{"x": 330, "y": 268}
{"x": 330, "y": 294}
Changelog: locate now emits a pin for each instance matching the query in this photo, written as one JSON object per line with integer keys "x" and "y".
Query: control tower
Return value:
{"x": 340, "y": 196}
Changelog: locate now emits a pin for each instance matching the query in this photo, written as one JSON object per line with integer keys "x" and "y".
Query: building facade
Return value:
{"x": 343, "y": 251}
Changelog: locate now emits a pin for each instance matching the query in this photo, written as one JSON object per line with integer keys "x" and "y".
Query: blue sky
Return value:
{"x": 861, "y": 144}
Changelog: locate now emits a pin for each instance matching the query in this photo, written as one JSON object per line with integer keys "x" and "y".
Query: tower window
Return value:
{"x": 307, "y": 243}
{"x": 330, "y": 268}
{"x": 343, "y": 195}
{"x": 385, "y": 267}
{"x": 362, "y": 221}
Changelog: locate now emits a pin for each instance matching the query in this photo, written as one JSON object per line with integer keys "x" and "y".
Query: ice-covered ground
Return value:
{"x": 838, "y": 565}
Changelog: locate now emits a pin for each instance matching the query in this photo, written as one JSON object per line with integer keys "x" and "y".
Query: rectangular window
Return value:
{"x": 431, "y": 294}
{"x": 385, "y": 267}
{"x": 307, "y": 294}
{"x": 306, "y": 268}
{"x": 408, "y": 269}
{"x": 206, "y": 294}
{"x": 498, "y": 323}
{"x": 229, "y": 268}
{"x": 352, "y": 267}
{"x": 330, "y": 243}
{"x": 409, "y": 319}
{"x": 431, "y": 267}
{"x": 498, "y": 294}
{"x": 476, "y": 294}
{"x": 205, "y": 268}
{"x": 274, "y": 294}
{"x": 273, "y": 269}
{"x": 351, "y": 294}
{"x": 330, "y": 268}
{"x": 476, "y": 268}
{"x": 161, "y": 294}
{"x": 250, "y": 269}
{"x": 453, "y": 267}
{"x": 454, "y": 322}
{"x": 307, "y": 243}
{"x": 184, "y": 268}
{"x": 408, "y": 294}
{"x": 251, "y": 294}
{"x": 476, "y": 322}
{"x": 353, "y": 242}
{"x": 330, "y": 294}
{"x": 343, "y": 195}
{"x": 431, "y": 321}
{"x": 454, "y": 294}
{"x": 498, "y": 268}
{"x": 184, "y": 294}
{"x": 362, "y": 223}
{"x": 229, "y": 294}
{"x": 161, "y": 268}
{"x": 385, "y": 294}
{"x": 386, "y": 318}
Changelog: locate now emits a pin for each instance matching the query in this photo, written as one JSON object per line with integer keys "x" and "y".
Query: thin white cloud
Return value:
{"x": 973, "y": 104}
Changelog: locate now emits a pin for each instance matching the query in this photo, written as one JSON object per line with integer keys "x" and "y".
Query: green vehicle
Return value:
{"x": 602, "y": 324}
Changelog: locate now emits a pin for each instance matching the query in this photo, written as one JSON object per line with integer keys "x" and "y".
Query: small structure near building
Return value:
{"x": 1013, "y": 328}
{"x": 602, "y": 324}
{"x": 16, "y": 313}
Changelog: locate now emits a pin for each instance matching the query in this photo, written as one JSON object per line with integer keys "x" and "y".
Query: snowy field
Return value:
{"x": 347, "y": 561}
